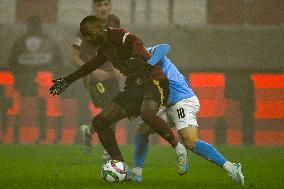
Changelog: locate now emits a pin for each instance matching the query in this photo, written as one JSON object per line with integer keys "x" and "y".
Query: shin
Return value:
{"x": 107, "y": 137}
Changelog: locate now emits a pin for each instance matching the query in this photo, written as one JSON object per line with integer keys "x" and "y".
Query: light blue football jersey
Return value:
{"x": 178, "y": 84}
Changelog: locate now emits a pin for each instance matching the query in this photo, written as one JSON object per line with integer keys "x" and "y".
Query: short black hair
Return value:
{"x": 97, "y": 1}
{"x": 92, "y": 19}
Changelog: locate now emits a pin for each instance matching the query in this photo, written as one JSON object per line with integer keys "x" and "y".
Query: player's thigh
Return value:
{"x": 113, "y": 112}
{"x": 130, "y": 100}
{"x": 151, "y": 100}
{"x": 183, "y": 116}
{"x": 184, "y": 113}
{"x": 143, "y": 128}
{"x": 149, "y": 105}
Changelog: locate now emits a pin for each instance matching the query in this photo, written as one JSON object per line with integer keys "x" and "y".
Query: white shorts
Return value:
{"x": 182, "y": 114}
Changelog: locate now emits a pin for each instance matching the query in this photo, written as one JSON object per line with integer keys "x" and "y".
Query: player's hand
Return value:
{"x": 59, "y": 86}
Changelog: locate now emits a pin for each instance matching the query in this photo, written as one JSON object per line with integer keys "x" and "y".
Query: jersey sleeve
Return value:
{"x": 87, "y": 68}
{"x": 99, "y": 59}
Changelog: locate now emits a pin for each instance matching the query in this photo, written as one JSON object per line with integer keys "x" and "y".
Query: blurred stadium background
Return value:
{"x": 211, "y": 39}
{"x": 232, "y": 51}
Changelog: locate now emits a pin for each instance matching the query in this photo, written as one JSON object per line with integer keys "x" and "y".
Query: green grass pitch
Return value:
{"x": 57, "y": 166}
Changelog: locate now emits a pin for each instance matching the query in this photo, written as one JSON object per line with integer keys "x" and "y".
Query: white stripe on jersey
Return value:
{"x": 124, "y": 37}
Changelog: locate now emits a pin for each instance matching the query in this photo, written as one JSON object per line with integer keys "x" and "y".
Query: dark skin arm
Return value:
{"x": 62, "y": 83}
{"x": 86, "y": 69}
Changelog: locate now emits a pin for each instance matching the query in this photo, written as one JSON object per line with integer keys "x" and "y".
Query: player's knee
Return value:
{"x": 190, "y": 141}
{"x": 99, "y": 122}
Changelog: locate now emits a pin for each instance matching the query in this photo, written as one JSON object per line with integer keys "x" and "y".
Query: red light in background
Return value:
{"x": 207, "y": 80}
{"x": 268, "y": 80}
{"x": 6, "y": 78}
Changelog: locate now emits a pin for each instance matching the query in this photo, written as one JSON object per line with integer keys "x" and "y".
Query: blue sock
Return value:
{"x": 141, "y": 148}
{"x": 208, "y": 152}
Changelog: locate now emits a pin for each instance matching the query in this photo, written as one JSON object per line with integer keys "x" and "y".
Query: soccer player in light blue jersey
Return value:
{"x": 182, "y": 108}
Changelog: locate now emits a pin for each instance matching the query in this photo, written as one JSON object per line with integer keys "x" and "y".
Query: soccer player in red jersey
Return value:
{"x": 103, "y": 83}
{"x": 143, "y": 92}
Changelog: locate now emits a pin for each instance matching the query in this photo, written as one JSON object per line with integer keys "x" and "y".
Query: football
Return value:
{"x": 113, "y": 171}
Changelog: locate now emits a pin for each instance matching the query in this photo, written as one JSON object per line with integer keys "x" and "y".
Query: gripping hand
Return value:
{"x": 59, "y": 86}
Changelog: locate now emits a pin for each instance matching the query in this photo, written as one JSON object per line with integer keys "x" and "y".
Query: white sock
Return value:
{"x": 228, "y": 166}
{"x": 180, "y": 148}
{"x": 137, "y": 171}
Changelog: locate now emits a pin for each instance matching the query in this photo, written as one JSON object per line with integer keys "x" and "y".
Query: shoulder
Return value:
{"x": 132, "y": 39}
{"x": 117, "y": 35}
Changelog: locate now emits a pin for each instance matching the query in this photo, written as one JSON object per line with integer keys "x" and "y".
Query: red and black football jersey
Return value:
{"x": 120, "y": 47}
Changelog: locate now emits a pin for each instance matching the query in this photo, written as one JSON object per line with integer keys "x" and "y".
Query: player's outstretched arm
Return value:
{"x": 62, "y": 83}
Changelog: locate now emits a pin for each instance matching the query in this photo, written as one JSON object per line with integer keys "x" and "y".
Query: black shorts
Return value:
{"x": 132, "y": 97}
{"x": 103, "y": 92}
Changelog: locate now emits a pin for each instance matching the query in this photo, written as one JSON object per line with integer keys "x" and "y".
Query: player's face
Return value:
{"x": 102, "y": 9}
{"x": 93, "y": 33}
